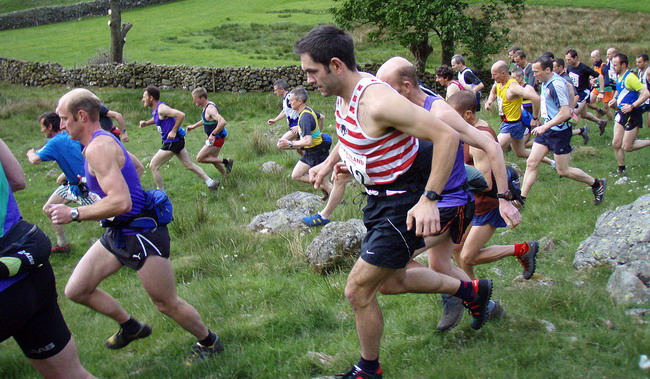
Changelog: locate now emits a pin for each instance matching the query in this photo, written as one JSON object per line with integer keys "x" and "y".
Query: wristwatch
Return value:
{"x": 290, "y": 145}
{"x": 431, "y": 195}
{"x": 74, "y": 214}
{"x": 506, "y": 195}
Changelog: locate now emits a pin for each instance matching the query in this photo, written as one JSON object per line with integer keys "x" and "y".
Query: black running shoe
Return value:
{"x": 599, "y": 192}
{"x": 229, "y": 164}
{"x": 601, "y": 127}
{"x": 121, "y": 339}
{"x": 585, "y": 135}
{"x": 452, "y": 308}
{"x": 200, "y": 353}
{"x": 357, "y": 373}
{"x": 478, "y": 307}
{"x": 495, "y": 311}
{"x": 529, "y": 260}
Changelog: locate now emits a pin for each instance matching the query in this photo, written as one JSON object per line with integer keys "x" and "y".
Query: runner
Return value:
{"x": 629, "y": 97}
{"x": 401, "y": 205}
{"x": 555, "y": 133}
{"x": 467, "y": 78}
{"x": 281, "y": 89}
{"x": 603, "y": 69}
{"x": 30, "y": 313}
{"x": 168, "y": 120}
{"x": 214, "y": 125}
{"x": 580, "y": 74}
{"x": 445, "y": 76}
{"x": 135, "y": 237}
{"x": 644, "y": 76}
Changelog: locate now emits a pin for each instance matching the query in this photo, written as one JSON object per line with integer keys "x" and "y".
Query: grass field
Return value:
{"x": 270, "y": 309}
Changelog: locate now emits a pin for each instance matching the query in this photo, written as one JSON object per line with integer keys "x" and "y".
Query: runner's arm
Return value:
{"x": 13, "y": 171}
{"x": 166, "y": 111}
{"x": 32, "y": 157}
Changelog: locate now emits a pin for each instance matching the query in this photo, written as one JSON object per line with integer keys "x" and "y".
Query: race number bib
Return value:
{"x": 159, "y": 129}
{"x": 356, "y": 164}
{"x": 574, "y": 78}
{"x": 543, "y": 113}
{"x": 500, "y": 105}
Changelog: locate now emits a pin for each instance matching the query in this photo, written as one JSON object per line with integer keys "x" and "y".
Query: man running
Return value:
{"x": 281, "y": 89}
{"x": 445, "y": 76}
{"x": 106, "y": 117}
{"x": 555, "y": 133}
{"x": 526, "y": 67}
{"x": 67, "y": 154}
{"x": 30, "y": 313}
{"x": 214, "y": 125}
{"x": 644, "y": 76}
{"x": 382, "y": 152}
{"x": 111, "y": 174}
{"x": 309, "y": 138}
{"x": 169, "y": 120}
{"x": 467, "y": 78}
{"x": 629, "y": 97}
{"x": 603, "y": 69}
{"x": 580, "y": 73}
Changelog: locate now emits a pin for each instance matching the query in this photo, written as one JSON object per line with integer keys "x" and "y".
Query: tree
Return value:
{"x": 413, "y": 23}
{"x": 118, "y": 31}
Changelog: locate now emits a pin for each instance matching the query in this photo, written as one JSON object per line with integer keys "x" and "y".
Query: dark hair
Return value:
{"x": 560, "y": 62}
{"x": 643, "y": 56}
{"x": 571, "y": 52}
{"x": 154, "y": 92}
{"x": 463, "y": 101}
{"x": 325, "y": 42}
{"x": 545, "y": 62}
{"x": 622, "y": 58}
{"x": 445, "y": 71}
{"x": 513, "y": 49}
{"x": 517, "y": 71}
{"x": 549, "y": 54}
{"x": 519, "y": 54}
{"x": 281, "y": 83}
{"x": 408, "y": 74}
{"x": 52, "y": 120}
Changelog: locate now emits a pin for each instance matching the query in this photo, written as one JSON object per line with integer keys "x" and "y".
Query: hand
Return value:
{"x": 612, "y": 103}
{"x": 488, "y": 106}
{"x": 143, "y": 123}
{"x": 426, "y": 216}
{"x": 627, "y": 108}
{"x": 340, "y": 171}
{"x": 125, "y": 137}
{"x": 59, "y": 214}
{"x": 509, "y": 213}
{"x": 296, "y": 130}
{"x": 600, "y": 96}
{"x": 211, "y": 139}
{"x": 171, "y": 134}
{"x": 538, "y": 131}
{"x": 534, "y": 123}
{"x": 283, "y": 143}
{"x": 271, "y": 121}
{"x": 318, "y": 173}
{"x": 191, "y": 127}
{"x": 30, "y": 151}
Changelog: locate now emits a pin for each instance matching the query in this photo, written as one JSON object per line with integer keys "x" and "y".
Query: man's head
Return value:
{"x": 50, "y": 124}
{"x": 499, "y": 72}
{"x": 571, "y": 57}
{"x": 200, "y": 96}
{"x": 558, "y": 66}
{"x": 518, "y": 75}
{"x": 464, "y": 102}
{"x": 543, "y": 68}
{"x": 444, "y": 75}
{"x": 326, "y": 53}
{"x": 620, "y": 63}
{"x": 77, "y": 109}
{"x": 595, "y": 56}
{"x": 549, "y": 54}
{"x": 642, "y": 61}
{"x": 280, "y": 87}
{"x": 150, "y": 96}
{"x": 520, "y": 59}
{"x": 298, "y": 98}
{"x": 611, "y": 52}
{"x": 512, "y": 51}
{"x": 400, "y": 74}
{"x": 458, "y": 62}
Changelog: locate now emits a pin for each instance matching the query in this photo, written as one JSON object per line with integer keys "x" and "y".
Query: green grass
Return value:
{"x": 270, "y": 309}
{"x": 622, "y": 5}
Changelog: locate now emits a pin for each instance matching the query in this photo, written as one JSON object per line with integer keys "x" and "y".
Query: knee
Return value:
{"x": 617, "y": 144}
{"x": 295, "y": 176}
{"x": 166, "y": 306}
{"x": 188, "y": 165}
{"x": 45, "y": 208}
{"x": 467, "y": 258}
{"x": 76, "y": 293}
{"x": 356, "y": 296}
{"x": 531, "y": 164}
{"x": 562, "y": 171}
{"x": 627, "y": 147}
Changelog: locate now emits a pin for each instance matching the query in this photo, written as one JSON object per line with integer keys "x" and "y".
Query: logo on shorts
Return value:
{"x": 370, "y": 253}
{"x": 28, "y": 256}
{"x": 43, "y": 349}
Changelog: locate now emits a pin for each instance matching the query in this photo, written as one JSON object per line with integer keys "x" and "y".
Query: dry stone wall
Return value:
{"x": 59, "y": 13}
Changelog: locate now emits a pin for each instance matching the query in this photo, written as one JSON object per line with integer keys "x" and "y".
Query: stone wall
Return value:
{"x": 138, "y": 75}
{"x": 59, "y": 13}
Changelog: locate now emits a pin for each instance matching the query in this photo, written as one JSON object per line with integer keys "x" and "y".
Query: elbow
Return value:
{"x": 18, "y": 185}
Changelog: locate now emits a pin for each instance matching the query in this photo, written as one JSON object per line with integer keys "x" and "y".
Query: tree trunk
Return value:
{"x": 118, "y": 32}
{"x": 447, "y": 47}
{"x": 421, "y": 51}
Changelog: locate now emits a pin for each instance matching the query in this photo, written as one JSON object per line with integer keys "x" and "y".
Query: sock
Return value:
{"x": 596, "y": 184}
{"x": 582, "y": 130}
{"x": 521, "y": 249}
{"x": 131, "y": 326}
{"x": 466, "y": 291}
{"x": 621, "y": 168}
{"x": 61, "y": 239}
{"x": 370, "y": 367}
{"x": 523, "y": 198}
{"x": 4, "y": 271}
{"x": 209, "y": 340}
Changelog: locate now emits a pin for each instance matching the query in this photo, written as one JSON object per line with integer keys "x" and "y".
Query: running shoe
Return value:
{"x": 121, "y": 339}
{"x": 619, "y": 173}
{"x": 585, "y": 136}
{"x": 200, "y": 353}
{"x": 56, "y": 249}
{"x": 229, "y": 164}
{"x": 529, "y": 260}
{"x": 452, "y": 312}
{"x": 553, "y": 164}
{"x": 599, "y": 192}
{"x": 214, "y": 184}
{"x": 495, "y": 311}
{"x": 601, "y": 127}
{"x": 478, "y": 307}
{"x": 357, "y": 373}
{"x": 315, "y": 220}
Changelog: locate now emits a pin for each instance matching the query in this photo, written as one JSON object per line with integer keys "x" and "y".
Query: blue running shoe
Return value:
{"x": 315, "y": 220}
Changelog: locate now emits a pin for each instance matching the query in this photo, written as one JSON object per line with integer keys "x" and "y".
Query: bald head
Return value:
{"x": 80, "y": 99}
{"x": 396, "y": 72}
{"x": 595, "y": 55}
{"x": 611, "y": 52}
{"x": 499, "y": 67}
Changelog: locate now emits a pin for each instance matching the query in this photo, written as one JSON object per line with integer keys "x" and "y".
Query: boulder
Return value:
{"x": 338, "y": 244}
{"x": 280, "y": 220}
{"x": 301, "y": 201}
{"x": 626, "y": 287}
{"x": 271, "y": 166}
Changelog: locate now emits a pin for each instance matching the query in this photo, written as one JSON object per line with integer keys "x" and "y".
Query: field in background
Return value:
{"x": 258, "y": 294}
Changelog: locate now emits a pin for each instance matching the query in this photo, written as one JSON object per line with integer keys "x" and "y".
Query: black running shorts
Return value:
{"x": 136, "y": 248}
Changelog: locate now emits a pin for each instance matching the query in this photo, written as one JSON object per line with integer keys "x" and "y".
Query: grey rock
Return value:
{"x": 280, "y": 220}
{"x": 638, "y": 312}
{"x": 337, "y": 245}
{"x": 548, "y": 326}
{"x": 271, "y": 166}
{"x": 301, "y": 201}
{"x": 626, "y": 287}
